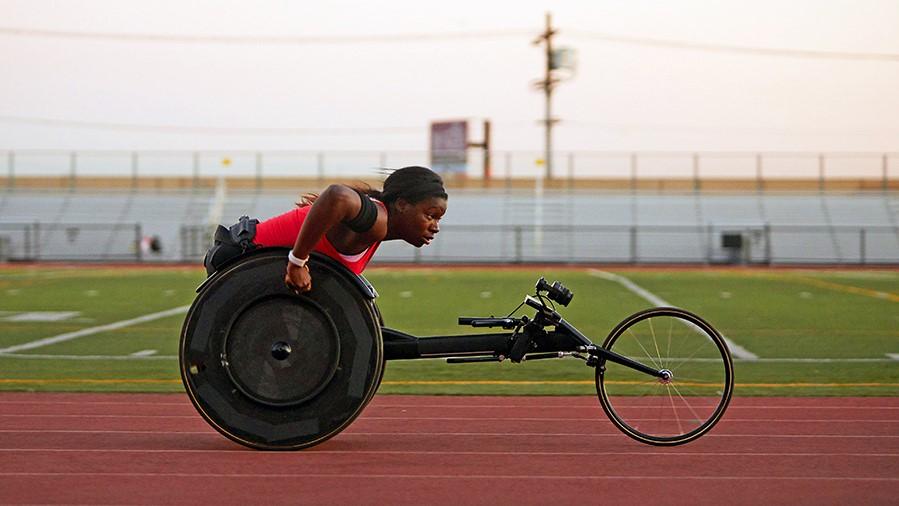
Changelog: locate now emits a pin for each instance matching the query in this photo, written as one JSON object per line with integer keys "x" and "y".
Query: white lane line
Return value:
{"x": 345, "y": 434}
{"x": 309, "y": 453}
{"x": 145, "y": 356}
{"x": 68, "y": 336}
{"x": 522, "y": 477}
{"x": 88, "y": 357}
{"x": 797, "y": 360}
{"x": 41, "y": 316}
{"x": 608, "y": 434}
{"x": 94, "y": 415}
{"x": 154, "y": 432}
{"x": 727, "y": 421}
{"x": 893, "y": 356}
{"x": 102, "y": 403}
{"x": 591, "y": 406}
{"x": 735, "y": 349}
{"x": 143, "y": 353}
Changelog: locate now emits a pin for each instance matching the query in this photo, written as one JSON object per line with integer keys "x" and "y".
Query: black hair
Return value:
{"x": 412, "y": 184}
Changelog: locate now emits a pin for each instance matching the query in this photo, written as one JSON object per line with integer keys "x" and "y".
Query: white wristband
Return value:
{"x": 299, "y": 262}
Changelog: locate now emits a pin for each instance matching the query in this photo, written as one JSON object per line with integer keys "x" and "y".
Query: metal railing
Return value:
{"x": 711, "y": 244}
{"x": 84, "y": 242}
{"x": 502, "y": 244}
{"x": 695, "y": 171}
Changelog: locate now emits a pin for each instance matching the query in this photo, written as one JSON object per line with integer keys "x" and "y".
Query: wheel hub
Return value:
{"x": 281, "y": 350}
{"x": 666, "y": 376}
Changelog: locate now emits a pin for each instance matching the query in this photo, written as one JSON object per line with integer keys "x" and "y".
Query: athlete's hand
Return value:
{"x": 298, "y": 279}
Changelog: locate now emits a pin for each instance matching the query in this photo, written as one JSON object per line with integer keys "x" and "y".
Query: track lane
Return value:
{"x": 141, "y": 449}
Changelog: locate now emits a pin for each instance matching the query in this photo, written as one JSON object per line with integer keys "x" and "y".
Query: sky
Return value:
{"x": 818, "y": 75}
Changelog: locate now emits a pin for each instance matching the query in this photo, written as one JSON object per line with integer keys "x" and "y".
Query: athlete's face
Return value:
{"x": 418, "y": 223}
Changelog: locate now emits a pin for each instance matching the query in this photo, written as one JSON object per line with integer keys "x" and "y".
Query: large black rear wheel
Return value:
{"x": 273, "y": 370}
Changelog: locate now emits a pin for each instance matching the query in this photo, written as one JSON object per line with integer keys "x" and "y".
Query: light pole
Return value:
{"x": 556, "y": 59}
{"x": 547, "y": 86}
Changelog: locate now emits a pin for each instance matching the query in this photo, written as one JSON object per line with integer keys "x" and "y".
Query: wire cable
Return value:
{"x": 264, "y": 40}
{"x": 727, "y": 48}
{"x": 446, "y": 36}
{"x": 54, "y": 122}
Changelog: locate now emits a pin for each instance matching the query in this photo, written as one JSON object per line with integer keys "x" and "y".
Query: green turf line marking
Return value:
{"x": 41, "y": 356}
{"x": 820, "y": 283}
{"x": 587, "y": 382}
{"x": 839, "y": 287}
{"x": 735, "y": 349}
{"x": 38, "y": 316}
{"x": 143, "y": 353}
{"x": 68, "y": 336}
{"x": 890, "y": 357}
{"x": 84, "y": 381}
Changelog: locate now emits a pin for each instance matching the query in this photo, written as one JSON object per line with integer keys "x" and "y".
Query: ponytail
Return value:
{"x": 306, "y": 199}
{"x": 412, "y": 184}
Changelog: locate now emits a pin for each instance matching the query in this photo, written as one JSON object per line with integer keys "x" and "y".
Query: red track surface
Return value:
{"x": 155, "y": 449}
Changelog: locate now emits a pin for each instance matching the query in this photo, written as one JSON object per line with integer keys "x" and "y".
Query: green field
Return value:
{"x": 814, "y": 332}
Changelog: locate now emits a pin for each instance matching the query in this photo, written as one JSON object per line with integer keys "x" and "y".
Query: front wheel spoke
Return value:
{"x": 668, "y": 353}
{"x": 697, "y": 382}
{"x": 655, "y": 342}
{"x": 638, "y": 381}
{"x": 702, "y": 345}
{"x": 646, "y": 353}
{"x": 696, "y": 416}
{"x": 680, "y": 428}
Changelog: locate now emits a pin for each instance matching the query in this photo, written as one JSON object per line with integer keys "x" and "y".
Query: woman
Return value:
{"x": 347, "y": 224}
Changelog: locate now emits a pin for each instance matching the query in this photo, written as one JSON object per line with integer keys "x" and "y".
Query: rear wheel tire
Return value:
{"x": 273, "y": 370}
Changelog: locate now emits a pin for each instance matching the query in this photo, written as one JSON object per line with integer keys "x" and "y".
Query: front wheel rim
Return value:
{"x": 693, "y": 392}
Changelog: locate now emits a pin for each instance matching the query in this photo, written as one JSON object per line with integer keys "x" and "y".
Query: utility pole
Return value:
{"x": 485, "y": 145}
{"x": 547, "y": 86}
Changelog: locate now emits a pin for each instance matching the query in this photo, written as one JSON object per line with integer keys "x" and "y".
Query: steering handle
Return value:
{"x": 474, "y": 321}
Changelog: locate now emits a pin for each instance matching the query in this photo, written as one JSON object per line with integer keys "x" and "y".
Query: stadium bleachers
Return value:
{"x": 483, "y": 225}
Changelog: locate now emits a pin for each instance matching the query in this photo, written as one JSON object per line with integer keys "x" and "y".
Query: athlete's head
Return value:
{"x": 416, "y": 199}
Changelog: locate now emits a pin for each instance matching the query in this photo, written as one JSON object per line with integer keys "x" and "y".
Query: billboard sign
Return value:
{"x": 449, "y": 146}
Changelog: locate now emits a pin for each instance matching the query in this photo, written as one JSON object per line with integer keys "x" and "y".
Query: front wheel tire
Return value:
{"x": 691, "y": 397}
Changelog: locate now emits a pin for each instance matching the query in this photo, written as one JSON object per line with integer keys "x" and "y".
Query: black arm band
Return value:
{"x": 366, "y": 218}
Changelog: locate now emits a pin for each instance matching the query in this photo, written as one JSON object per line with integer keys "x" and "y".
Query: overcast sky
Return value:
{"x": 352, "y": 88}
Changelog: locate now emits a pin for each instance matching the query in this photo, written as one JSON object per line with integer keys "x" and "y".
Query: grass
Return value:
{"x": 776, "y": 314}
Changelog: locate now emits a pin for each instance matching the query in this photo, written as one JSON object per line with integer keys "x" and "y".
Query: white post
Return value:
{"x": 538, "y": 206}
{"x": 217, "y": 207}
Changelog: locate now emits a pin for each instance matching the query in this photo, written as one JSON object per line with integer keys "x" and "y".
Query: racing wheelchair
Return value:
{"x": 274, "y": 370}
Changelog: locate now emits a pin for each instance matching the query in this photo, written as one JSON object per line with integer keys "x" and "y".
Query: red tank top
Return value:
{"x": 282, "y": 230}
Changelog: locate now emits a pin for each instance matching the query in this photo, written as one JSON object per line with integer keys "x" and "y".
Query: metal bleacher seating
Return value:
{"x": 483, "y": 225}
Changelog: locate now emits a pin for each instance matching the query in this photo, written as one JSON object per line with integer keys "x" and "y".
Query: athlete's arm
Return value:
{"x": 336, "y": 204}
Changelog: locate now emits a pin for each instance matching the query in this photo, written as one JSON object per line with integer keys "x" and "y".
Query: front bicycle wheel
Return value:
{"x": 694, "y": 392}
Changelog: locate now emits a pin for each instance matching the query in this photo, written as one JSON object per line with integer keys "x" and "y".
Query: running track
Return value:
{"x": 155, "y": 449}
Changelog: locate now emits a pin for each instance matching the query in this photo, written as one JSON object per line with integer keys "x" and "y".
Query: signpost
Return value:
{"x": 449, "y": 147}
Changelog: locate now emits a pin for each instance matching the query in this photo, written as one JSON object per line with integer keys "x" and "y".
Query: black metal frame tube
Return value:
{"x": 627, "y": 362}
{"x": 452, "y": 346}
{"x": 401, "y": 346}
{"x": 609, "y": 354}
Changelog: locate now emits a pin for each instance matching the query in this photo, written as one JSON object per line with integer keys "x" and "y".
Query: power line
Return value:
{"x": 446, "y": 36}
{"x": 55, "y": 122}
{"x": 726, "y": 48}
{"x": 262, "y": 39}
{"x": 407, "y": 130}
